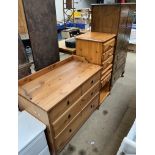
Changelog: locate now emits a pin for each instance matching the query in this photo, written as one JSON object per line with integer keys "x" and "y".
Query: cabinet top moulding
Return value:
{"x": 96, "y": 36}
{"x": 54, "y": 83}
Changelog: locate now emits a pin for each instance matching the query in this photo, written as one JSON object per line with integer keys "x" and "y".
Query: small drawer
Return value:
{"x": 91, "y": 107}
{"x": 106, "y": 63}
{"x": 106, "y": 74}
{"x": 105, "y": 80}
{"x": 60, "y": 108}
{"x": 107, "y": 54}
{"x": 91, "y": 93}
{"x": 76, "y": 123}
{"x": 89, "y": 83}
{"x": 108, "y": 45}
{"x": 106, "y": 70}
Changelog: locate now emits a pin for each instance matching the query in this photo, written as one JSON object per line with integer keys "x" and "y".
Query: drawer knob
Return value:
{"x": 92, "y": 82}
{"x": 69, "y": 116}
{"x": 70, "y": 130}
{"x": 91, "y": 106}
{"x": 92, "y": 93}
{"x": 68, "y": 102}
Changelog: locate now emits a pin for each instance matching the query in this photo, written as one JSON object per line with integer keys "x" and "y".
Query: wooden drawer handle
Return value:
{"x": 70, "y": 130}
{"x": 69, "y": 116}
{"x": 68, "y": 103}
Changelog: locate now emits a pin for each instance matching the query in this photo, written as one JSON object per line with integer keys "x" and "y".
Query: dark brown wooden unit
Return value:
{"x": 41, "y": 22}
{"x": 116, "y": 19}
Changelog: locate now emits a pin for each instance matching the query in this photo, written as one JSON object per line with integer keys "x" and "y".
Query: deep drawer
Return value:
{"x": 89, "y": 83}
{"x": 108, "y": 45}
{"x": 60, "y": 108}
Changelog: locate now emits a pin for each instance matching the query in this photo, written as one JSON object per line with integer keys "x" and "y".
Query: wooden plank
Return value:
{"x": 22, "y": 25}
{"x": 41, "y": 22}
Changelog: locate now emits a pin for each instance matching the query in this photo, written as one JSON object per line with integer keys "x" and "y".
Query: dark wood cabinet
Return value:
{"x": 41, "y": 23}
{"x": 116, "y": 19}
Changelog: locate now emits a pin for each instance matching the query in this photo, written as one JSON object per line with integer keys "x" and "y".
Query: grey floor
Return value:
{"x": 104, "y": 130}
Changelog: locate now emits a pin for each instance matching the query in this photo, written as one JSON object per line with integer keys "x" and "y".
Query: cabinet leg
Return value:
{"x": 122, "y": 75}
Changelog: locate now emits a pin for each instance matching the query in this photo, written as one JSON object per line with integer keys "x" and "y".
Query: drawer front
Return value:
{"x": 89, "y": 83}
{"x": 67, "y": 116}
{"x": 71, "y": 129}
{"x": 118, "y": 64}
{"x": 106, "y": 74}
{"x": 105, "y": 80}
{"x": 106, "y": 70}
{"x": 108, "y": 45}
{"x": 107, "y": 54}
{"x": 60, "y": 108}
{"x": 117, "y": 74}
{"x": 106, "y": 63}
{"x": 119, "y": 56}
{"x": 90, "y": 108}
{"x": 87, "y": 97}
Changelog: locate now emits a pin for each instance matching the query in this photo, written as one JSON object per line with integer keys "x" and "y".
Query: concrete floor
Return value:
{"x": 104, "y": 130}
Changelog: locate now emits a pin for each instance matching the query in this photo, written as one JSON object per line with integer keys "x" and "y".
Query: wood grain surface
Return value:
{"x": 41, "y": 22}
{"x": 95, "y": 36}
{"x": 52, "y": 87}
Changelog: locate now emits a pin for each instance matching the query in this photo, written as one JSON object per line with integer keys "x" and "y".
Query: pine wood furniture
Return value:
{"x": 22, "y": 26}
{"x": 98, "y": 48}
{"x": 116, "y": 19}
{"x": 62, "y": 96}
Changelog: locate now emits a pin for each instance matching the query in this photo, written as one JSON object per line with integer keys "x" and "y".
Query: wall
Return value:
{"x": 81, "y": 4}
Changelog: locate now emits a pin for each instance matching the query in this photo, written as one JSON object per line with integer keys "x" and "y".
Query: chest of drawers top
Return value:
{"x": 96, "y": 36}
{"x": 54, "y": 83}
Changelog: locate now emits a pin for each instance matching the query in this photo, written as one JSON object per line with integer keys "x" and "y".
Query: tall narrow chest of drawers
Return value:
{"x": 98, "y": 48}
{"x": 62, "y": 96}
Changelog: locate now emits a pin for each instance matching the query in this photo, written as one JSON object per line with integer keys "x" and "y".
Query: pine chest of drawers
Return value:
{"x": 62, "y": 96}
{"x": 98, "y": 48}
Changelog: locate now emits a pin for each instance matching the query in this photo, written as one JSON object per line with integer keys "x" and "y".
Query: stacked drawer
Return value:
{"x": 62, "y": 96}
{"x": 107, "y": 61}
{"x": 98, "y": 48}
